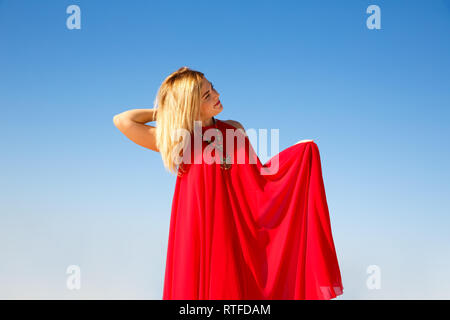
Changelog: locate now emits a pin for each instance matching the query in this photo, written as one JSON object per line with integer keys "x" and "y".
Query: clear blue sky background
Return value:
{"x": 75, "y": 191}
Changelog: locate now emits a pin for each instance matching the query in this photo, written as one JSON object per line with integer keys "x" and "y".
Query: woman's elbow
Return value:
{"x": 116, "y": 120}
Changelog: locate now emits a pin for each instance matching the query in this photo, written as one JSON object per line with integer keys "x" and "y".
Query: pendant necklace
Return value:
{"x": 218, "y": 145}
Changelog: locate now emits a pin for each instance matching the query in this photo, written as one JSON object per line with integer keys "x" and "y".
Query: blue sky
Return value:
{"x": 75, "y": 191}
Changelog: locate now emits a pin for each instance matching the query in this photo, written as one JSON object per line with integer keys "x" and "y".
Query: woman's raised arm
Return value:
{"x": 132, "y": 124}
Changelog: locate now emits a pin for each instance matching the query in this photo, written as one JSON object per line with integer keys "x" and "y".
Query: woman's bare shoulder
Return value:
{"x": 235, "y": 124}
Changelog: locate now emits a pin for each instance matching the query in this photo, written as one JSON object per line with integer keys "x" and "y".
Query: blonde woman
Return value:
{"x": 237, "y": 230}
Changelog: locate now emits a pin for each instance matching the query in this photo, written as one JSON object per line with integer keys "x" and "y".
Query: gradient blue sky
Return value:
{"x": 75, "y": 191}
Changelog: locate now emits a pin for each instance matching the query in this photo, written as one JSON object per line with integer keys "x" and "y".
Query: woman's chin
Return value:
{"x": 218, "y": 107}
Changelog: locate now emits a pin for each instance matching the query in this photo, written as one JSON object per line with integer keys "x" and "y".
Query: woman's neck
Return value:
{"x": 208, "y": 122}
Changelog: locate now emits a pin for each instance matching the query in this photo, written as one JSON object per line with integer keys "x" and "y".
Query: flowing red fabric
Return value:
{"x": 241, "y": 234}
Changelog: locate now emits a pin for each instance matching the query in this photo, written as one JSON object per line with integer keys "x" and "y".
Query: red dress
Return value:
{"x": 241, "y": 234}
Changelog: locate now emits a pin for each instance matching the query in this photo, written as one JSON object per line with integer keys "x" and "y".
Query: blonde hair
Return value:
{"x": 178, "y": 106}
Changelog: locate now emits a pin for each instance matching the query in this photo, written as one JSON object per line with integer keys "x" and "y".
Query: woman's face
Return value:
{"x": 210, "y": 104}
